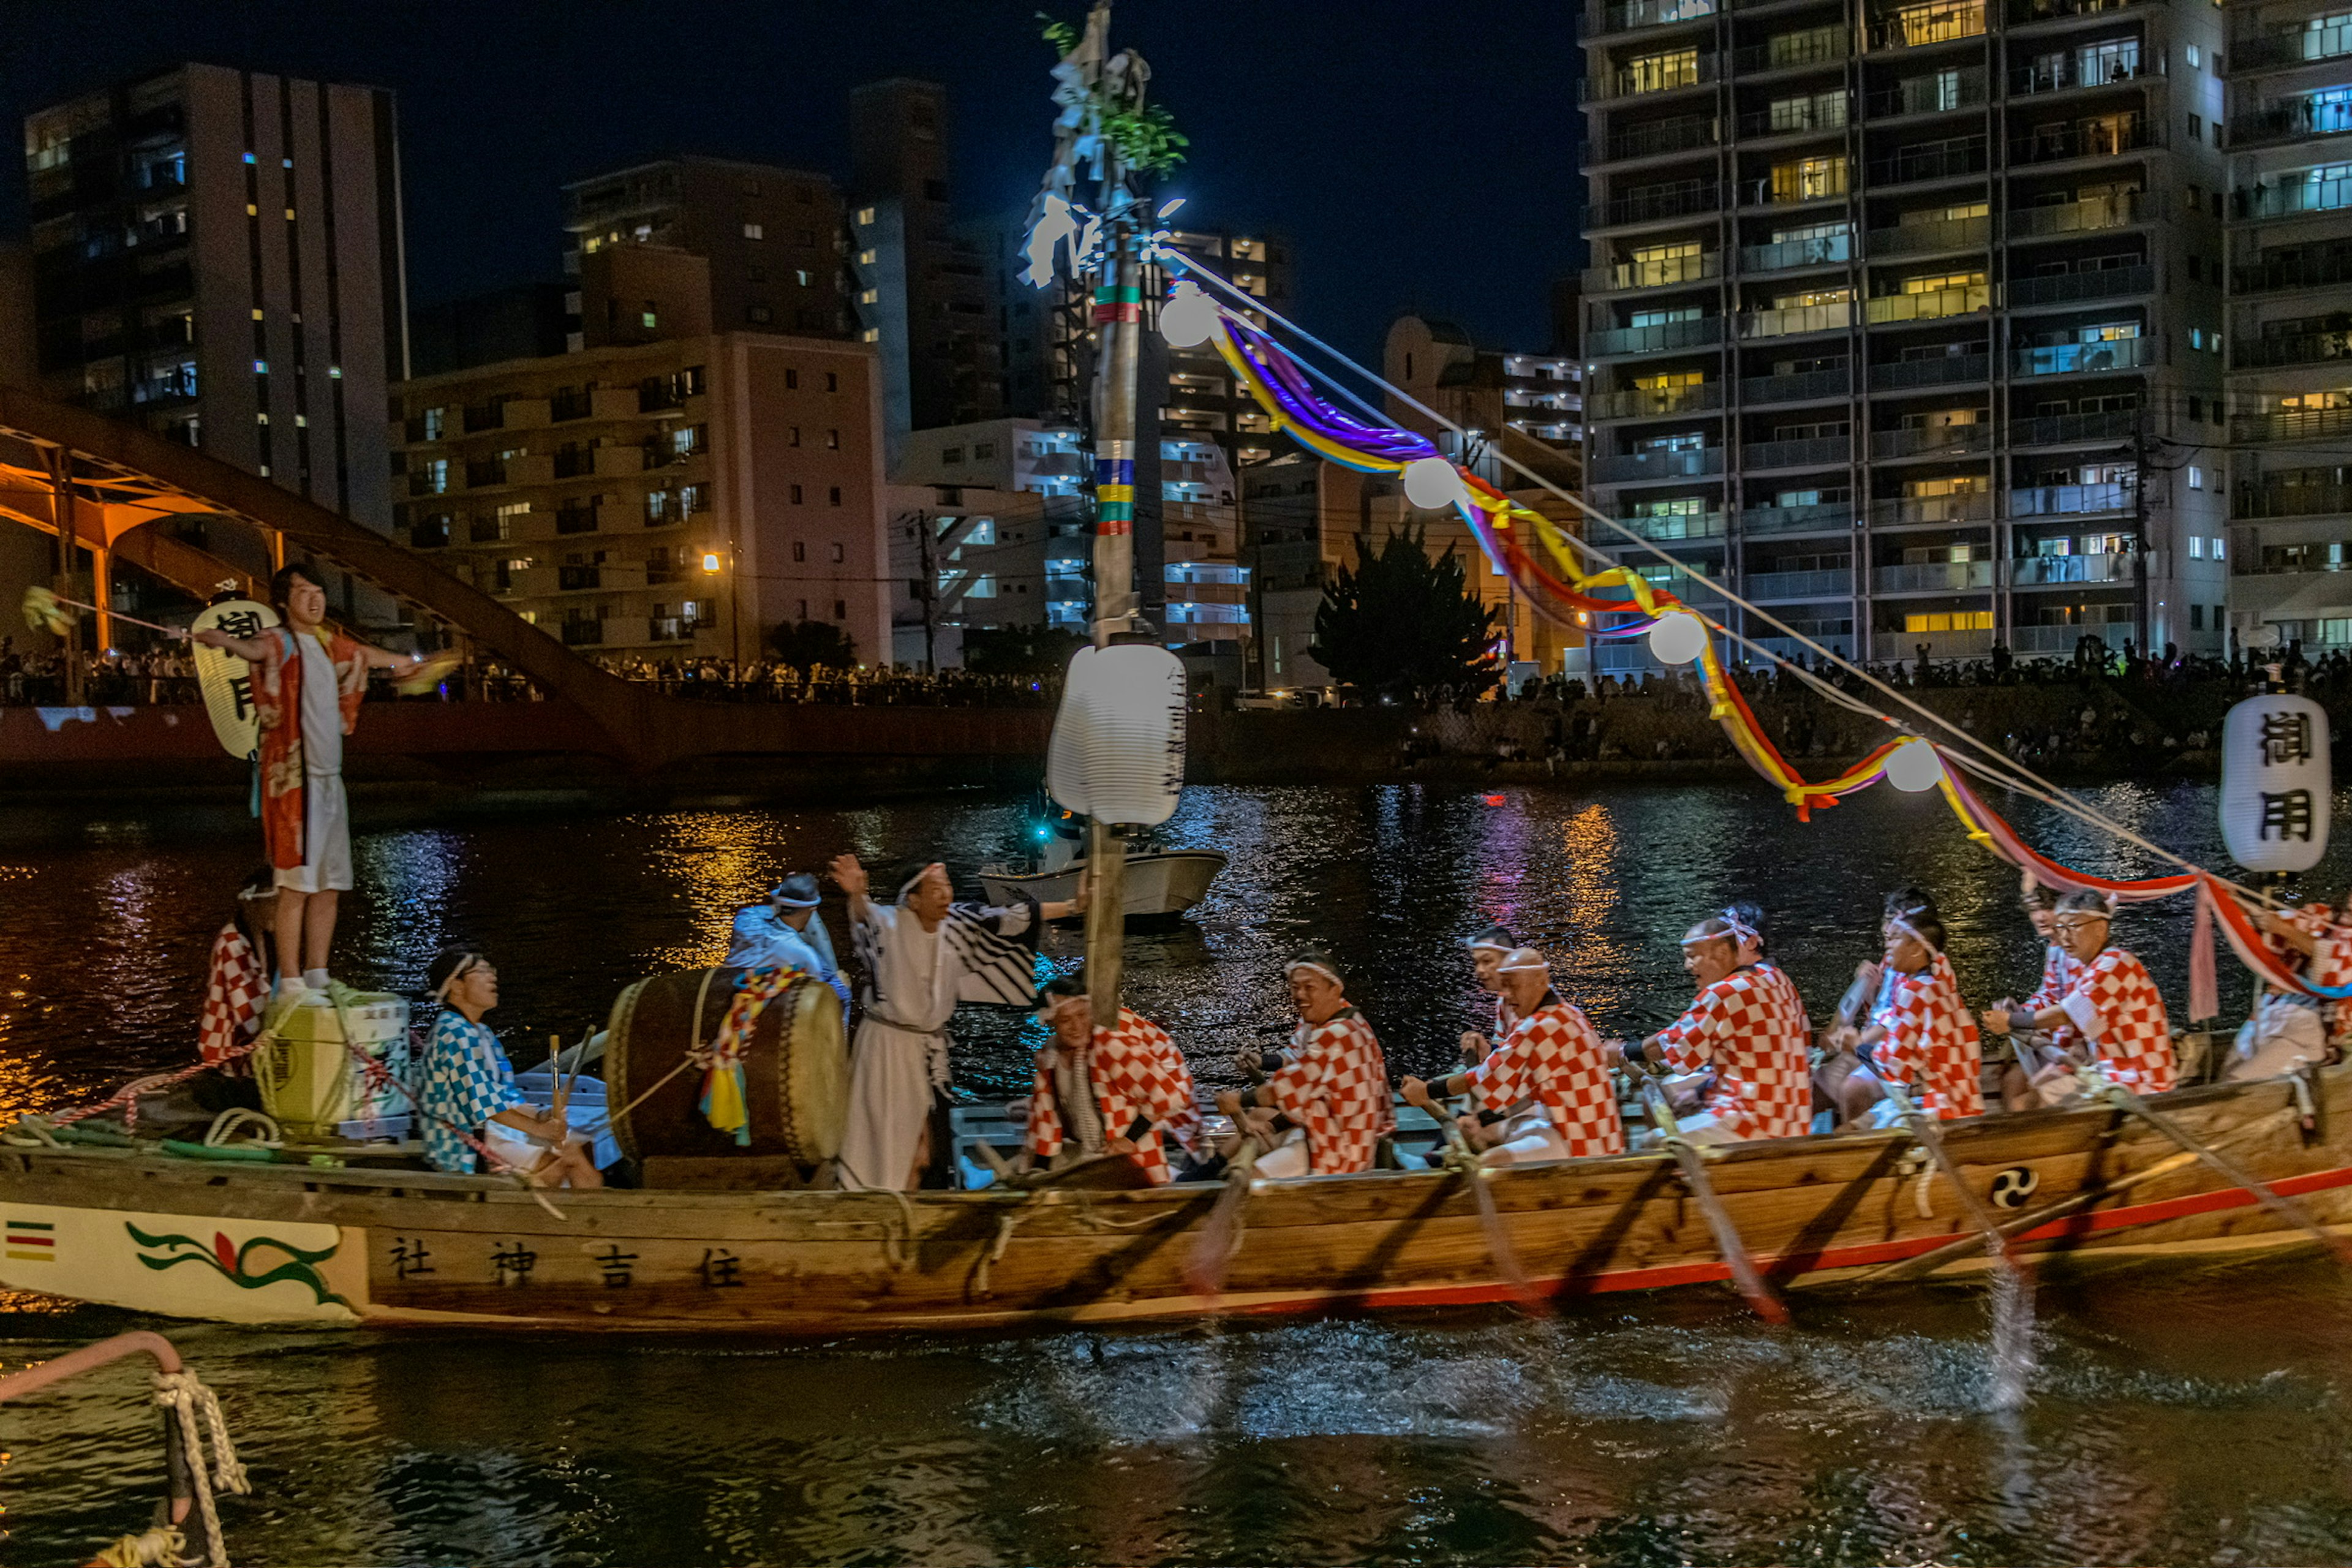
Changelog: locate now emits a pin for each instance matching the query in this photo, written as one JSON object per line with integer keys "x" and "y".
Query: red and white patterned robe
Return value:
{"x": 1553, "y": 1057}
{"x": 1136, "y": 1070}
{"x": 1750, "y": 1025}
{"x": 233, "y": 993}
{"x": 2331, "y": 965}
{"x": 1335, "y": 1085}
{"x": 2119, "y": 1011}
{"x": 2059, "y": 970}
{"x": 1931, "y": 1049}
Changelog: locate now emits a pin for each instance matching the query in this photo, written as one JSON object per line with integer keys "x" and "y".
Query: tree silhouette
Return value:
{"x": 809, "y": 645}
{"x": 1398, "y": 623}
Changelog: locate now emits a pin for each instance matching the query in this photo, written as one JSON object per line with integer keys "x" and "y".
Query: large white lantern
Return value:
{"x": 2275, "y": 782}
{"x": 1189, "y": 319}
{"x": 1678, "y": 638}
{"x": 1431, "y": 483}
{"x": 225, "y": 679}
{"x": 1117, "y": 750}
{"x": 1913, "y": 766}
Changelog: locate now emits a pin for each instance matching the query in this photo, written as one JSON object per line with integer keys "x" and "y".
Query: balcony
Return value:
{"x": 482, "y": 472}
{"x": 1700, "y": 332}
{"x": 2062, "y": 637}
{"x": 1799, "y": 117}
{"x": 1791, "y": 51}
{"x": 1795, "y": 652}
{"x": 2084, "y": 217}
{"x": 575, "y": 520}
{"x": 1929, "y": 304}
{"x": 2082, "y": 68}
{"x": 1680, "y": 525}
{"x": 1820, "y": 518}
{"x": 1949, "y": 159}
{"x": 1942, "y": 370}
{"x": 1893, "y": 642}
{"x": 2051, "y": 570}
{"x": 1794, "y": 320}
{"x": 571, "y": 402}
{"x": 1799, "y": 388}
{"x": 2071, "y": 430}
{"x": 490, "y": 415}
{"x": 1931, "y": 439}
{"x": 2290, "y": 45}
{"x": 1801, "y": 584}
{"x": 1913, "y": 511}
{"x": 1657, "y": 74}
{"x": 1791, "y": 188}
{"x": 2084, "y": 359}
{"x": 2292, "y": 425}
{"x": 2023, "y": 13}
{"x": 2293, "y": 119}
{"x": 2102, "y": 138}
{"x": 2291, "y": 348}
{"x": 1918, "y": 26}
{"x": 573, "y": 461}
{"x": 2323, "y": 266}
{"x": 2073, "y": 287}
{"x": 2260, "y": 499}
{"x": 1653, "y": 14}
{"x": 1653, "y": 203}
{"x": 582, "y": 633}
{"x": 1812, "y": 452}
{"x": 1931, "y": 577}
{"x": 1821, "y": 251}
{"x": 1650, "y": 402}
{"x": 1938, "y": 94}
{"x": 1679, "y": 135}
{"x": 2070, "y": 500}
{"x": 1924, "y": 238}
{"x": 1664, "y": 272}
{"x": 1631, "y": 467}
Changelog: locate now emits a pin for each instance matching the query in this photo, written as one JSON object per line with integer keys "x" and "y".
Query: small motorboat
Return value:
{"x": 1161, "y": 884}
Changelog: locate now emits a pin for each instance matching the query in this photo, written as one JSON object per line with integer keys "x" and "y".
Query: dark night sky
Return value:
{"x": 1420, "y": 155}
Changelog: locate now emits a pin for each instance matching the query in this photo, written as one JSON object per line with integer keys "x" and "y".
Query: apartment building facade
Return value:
{"x": 1907, "y": 320}
{"x": 2289, "y": 70}
{"x": 678, "y": 497}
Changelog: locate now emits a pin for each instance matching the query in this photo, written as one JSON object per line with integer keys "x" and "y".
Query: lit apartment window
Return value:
{"x": 865, "y": 216}
{"x": 865, "y": 257}
{"x": 869, "y": 296}
{"x": 753, "y": 231}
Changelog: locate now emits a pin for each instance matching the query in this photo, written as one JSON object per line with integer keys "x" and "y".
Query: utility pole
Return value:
{"x": 60, "y": 463}
{"x": 927, "y": 587}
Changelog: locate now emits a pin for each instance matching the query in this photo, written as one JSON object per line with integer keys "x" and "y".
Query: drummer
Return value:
{"x": 468, "y": 1090}
{"x": 787, "y": 931}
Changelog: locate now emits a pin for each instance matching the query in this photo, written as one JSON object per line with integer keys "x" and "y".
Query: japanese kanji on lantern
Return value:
{"x": 226, "y": 680}
{"x": 2275, "y": 780}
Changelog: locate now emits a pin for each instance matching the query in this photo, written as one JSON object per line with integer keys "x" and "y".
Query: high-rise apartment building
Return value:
{"x": 771, "y": 235}
{"x": 1907, "y": 319}
{"x": 922, "y": 287}
{"x": 218, "y": 254}
{"x": 2289, "y": 72}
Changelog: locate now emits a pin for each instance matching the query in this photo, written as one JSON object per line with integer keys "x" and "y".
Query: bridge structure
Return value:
{"x": 101, "y": 484}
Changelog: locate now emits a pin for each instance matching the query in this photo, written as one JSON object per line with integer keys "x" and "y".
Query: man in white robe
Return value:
{"x": 923, "y": 954}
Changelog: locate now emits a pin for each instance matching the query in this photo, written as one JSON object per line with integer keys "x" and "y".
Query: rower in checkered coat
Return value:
{"x": 1545, "y": 1084}
{"x": 1332, "y": 1087}
{"x": 1747, "y": 1025}
{"x": 1922, "y": 1039}
{"x": 1122, "y": 1090}
{"x": 2113, "y": 1005}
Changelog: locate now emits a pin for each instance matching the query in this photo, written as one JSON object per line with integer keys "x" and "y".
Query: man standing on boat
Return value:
{"x": 1552, "y": 1056}
{"x": 1753, "y": 1034}
{"x": 311, "y": 678}
{"x": 1137, "y": 1094}
{"x": 2113, "y": 1003}
{"x": 1334, "y": 1087}
{"x": 924, "y": 952}
{"x": 787, "y": 931}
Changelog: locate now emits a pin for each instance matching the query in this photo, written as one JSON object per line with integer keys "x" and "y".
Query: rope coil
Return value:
{"x": 185, "y": 1399}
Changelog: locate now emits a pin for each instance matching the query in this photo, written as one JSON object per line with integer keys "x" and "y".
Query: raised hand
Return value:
{"x": 848, "y": 874}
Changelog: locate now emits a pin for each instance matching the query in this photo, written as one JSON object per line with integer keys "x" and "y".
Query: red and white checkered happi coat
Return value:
{"x": 1751, "y": 1026}
{"x": 2059, "y": 970}
{"x": 1931, "y": 1047}
{"x": 1337, "y": 1087}
{"x": 1553, "y": 1057}
{"x": 1136, "y": 1070}
{"x": 2331, "y": 965}
{"x": 2135, "y": 1037}
{"x": 233, "y": 993}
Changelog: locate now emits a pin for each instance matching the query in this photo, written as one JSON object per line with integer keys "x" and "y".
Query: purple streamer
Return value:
{"x": 1300, "y": 404}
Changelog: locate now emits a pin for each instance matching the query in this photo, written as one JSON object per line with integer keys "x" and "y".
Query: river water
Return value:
{"x": 2199, "y": 1416}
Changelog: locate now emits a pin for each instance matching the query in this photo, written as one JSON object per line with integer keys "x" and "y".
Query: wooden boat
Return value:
{"x": 289, "y": 1244}
{"x": 1161, "y": 884}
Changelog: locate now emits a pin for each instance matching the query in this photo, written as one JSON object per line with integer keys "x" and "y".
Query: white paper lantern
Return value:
{"x": 1189, "y": 319}
{"x": 1117, "y": 750}
{"x": 1913, "y": 766}
{"x": 225, "y": 679}
{"x": 1431, "y": 483}
{"x": 1678, "y": 638}
{"x": 2276, "y": 781}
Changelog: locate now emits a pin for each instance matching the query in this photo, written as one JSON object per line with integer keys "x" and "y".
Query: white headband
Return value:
{"x": 1740, "y": 929}
{"x": 1294, "y": 966}
{"x": 1523, "y": 961}
{"x": 465, "y": 967}
{"x": 1694, "y": 936}
{"x": 1486, "y": 944}
{"x": 911, "y": 883}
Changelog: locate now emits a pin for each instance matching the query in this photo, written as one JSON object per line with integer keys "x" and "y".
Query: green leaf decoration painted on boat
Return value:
{"x": 229, "y": 1261}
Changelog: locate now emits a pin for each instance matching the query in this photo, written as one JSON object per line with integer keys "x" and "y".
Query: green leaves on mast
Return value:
{"x": 1144, "y": 135}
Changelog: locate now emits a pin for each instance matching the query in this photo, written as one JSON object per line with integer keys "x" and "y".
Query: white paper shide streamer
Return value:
{"x": 2275, "y": 782}
{"x": 1117, "y": 750}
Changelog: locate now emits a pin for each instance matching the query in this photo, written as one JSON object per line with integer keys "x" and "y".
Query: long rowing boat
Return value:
{"x": 285, "y": 1244}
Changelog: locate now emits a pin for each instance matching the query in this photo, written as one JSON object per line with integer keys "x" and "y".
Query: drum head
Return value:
{"x": 816, "y": 1074}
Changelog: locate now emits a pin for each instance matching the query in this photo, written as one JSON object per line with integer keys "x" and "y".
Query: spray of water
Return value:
{"x": 2012, "y": 1337}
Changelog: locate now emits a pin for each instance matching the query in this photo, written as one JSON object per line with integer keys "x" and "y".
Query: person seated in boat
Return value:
{"x": 1142, "y": 1104}
{"x": 1548, "y": 1078}
{"x": 1333, "y": 1086}
{"x": 2111, "y": 1002}
{"x": 1746, "y": 1028}
{"x": 1871, "y": 988}
{"x": 2053, "y": 1054}
{"x": 468, "y": 1089}
{"x": 1923, "y": 1041}
{"x": 1487, "y": 950}
{"x": 786, "y": 931}
{"x": 2290, "y": 1028}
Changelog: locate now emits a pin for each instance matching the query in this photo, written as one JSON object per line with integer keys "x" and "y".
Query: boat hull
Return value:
{"x": 284, "y": 1244}
{"x": 1160, "y": 885}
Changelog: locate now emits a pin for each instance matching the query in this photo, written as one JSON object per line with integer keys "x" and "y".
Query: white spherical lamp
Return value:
{"x": 1431, "y": 483}
{"x": 1678, "y": 638}
{"x": 1189, "y": 318}
{"x": 1913, "y": 766}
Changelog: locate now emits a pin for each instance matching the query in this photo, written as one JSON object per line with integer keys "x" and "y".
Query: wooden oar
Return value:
{"x": 1465, "y": 1161}
{"x": 1220, "y": 1237}
{"x": 2285, "y": 1208}
{"x": 1921, "y": 1127}
{"x": 1744, "y": 1275}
